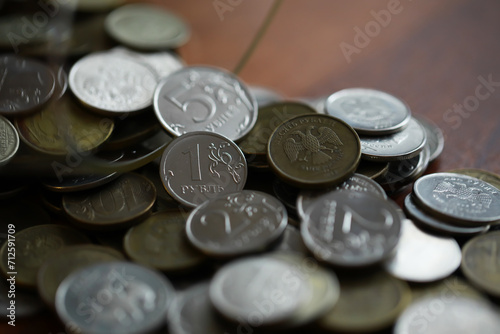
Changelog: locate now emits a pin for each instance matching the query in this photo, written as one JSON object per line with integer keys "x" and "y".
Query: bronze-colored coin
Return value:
{"x": 64, "y": 262}
{"x": 33, "y": 246}
{"x": 160, "y": 242}
{"x": 313, "y": 151}
{"x": 372, "y": 169}
{"x": 118, "y": 204}
{"x": 491, "y": 178}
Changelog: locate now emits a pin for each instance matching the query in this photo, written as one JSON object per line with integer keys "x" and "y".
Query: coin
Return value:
{"x": 435, "y": 137}
{"x": 422, "y": 257}
{"x": 160, "y": 242}
{"x": 448, "y": 289}
{"x": 9, "y": 141}
{"x": 27, "y": 85}
{"x": 458, "y": 199}
{"x": 78, "y": 183}
{"x": 486, "y": 176}
{"x": 369, "y": 111}
{"x": 13, "y": 25}
{"x": 291, "y": 242}
{"x": 118, "y": 204}
{"x": 33, "y": 246}
{"x": 480, "y": 262}
{"x": 313, "y": 151}
{"x": 62, "y": 263}
{"x": 112, "y": 85}
{"x": 287, "y": 195}
{"x": 205, "y": 99}
{"x": 265, "y": 96}
{"x": 147, "y": 27}
{"x": 351, "y": 229}
{"x": 118, "y": 297}
{"x": 236, "y": 223}
{"x": 201, "y": 165}
{"x": 401, "y": 145}
{"x": 372, "y": 169}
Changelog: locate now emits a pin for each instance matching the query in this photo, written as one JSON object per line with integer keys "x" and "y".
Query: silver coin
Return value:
{"x": 422, "y": 257}
{"x": 264, "y": 96}
{"x": 460, "y": 199}
{"x": 402, "y": 145}
{"x": 369, "y": 111}
{"x": 9, "y": 140}
{"x": 205, "y": 99}
{"x": 112, "y": 84}
{"x": 114, "y": 297}
{"x": 357, "y": 182}
{"x": 79, "y": 182}
{"x": 435, "y": 137}
{"x": 237, "y": 223}
{"x": 352, "y": 229}
{"x": 201, "y": 165}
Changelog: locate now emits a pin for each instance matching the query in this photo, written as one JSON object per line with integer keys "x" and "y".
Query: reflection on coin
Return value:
{"x": 78, "y": 183}
{"x": 435, "y": 137}
{"x": 422, "y": 257}
{"x": 62, "y": 263}
{"x": 9, "y": 141}
{"x": 480, "y": 262}
{"x": 237, "y": 223}
{"x": 491, "y": 178}
{"x": 369, "y": 111}
{"x": 34, "y": 246}
{"x": 372, "y": 169}
{"x": 265, "y": 96}
{"x": 201, "y": 165}
{"x": 114, "y": 297}
{"x": 205, "y": 99}
{"x": 312, "y": 151}
{"x": 351, "y": 228}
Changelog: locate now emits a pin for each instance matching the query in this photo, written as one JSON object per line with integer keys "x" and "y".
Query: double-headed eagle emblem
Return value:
{"x": 311, "y": 147}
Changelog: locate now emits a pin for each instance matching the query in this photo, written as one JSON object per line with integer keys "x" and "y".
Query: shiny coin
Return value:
{"x": 27, "y": 85}
{"x": 435, "y": 137}
{"x": 33, "y": 247}
{"x": 200, "y": 165}
{"x": 147, "y": 27}
{"x": 160, "y": 242}
{"x": 480, "y": 262}
{"x": 111, "y": 84}
{"x": 265, "y": 96}
{"x": 9, "y": 141}
{"x": 459, "y": 199}
{"x": 491, "y": 178}
{"x": 62, "y": 263}
{"x": 372, "y": 169}
{"x": 312, "y": 151}
{"x": 351, "y": 229}
{"x": 114, "y": 297}
{"x": 236, "y": 223}
{"x": 369, "y": 111}
{"x": 78, "y": 183}
{"x": 402, "y": 145}
{"x": 120, "y": 203}
{"x": 205, "y": 99}
{"x": 422, "y": 257}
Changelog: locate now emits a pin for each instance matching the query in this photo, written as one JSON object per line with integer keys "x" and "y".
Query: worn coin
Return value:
{"x": 236, "y": 223}
{"x": 265, "y": 96}
{"x": 201, "y": 165}
{"x": 369, "y": 111}
{"x": 486, "y": 176}
{"x": 205, "y": 99}
{"x": 435, "y": 137}
{"x": 372, "y": 169}
{"x": 9, "y": 141}
{"x": 313, "y": 151}
{"x": 78, "y": 183}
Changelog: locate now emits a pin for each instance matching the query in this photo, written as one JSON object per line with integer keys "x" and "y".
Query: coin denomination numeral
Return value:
{"x": 228, "y": 229}
{"x": 194, "y": 159}
{"x": 183, "y": 104}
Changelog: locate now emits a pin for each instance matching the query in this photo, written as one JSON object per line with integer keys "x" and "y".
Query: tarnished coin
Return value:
{"x": 351, "y": 229}
{"x": 265, "y": 96}
{"x": 491, "y": 178}
{"x": 237, "y": 223}
{"x": 9, "y": 141}
{"x": 205, "y": 99}
{"x": 160, "y": 242}
{"x": 201, "y": 165}
{"x": 33, "y": 246}
{"x": 458, "y": 199}
{"x": 401, "y": 145}
{"x": 62, "y": 263}
{"x": 367, "y": 303}
{"x": 369, "y": 111}
{"x": 435, "y": 137}
{"x": 147, "y": 27}
{"x": 111, "y": 84}
{"x": 26, "y": 85}
{"x": 481, "y": 264}
{"x": 114, "y": 297}
{"x": 78, "y": 183}
{"x": 422, "y": 257}
{"x": 313, "y": 151}
{"x": 372, "y": 169}
{"x": 118, "y": 204}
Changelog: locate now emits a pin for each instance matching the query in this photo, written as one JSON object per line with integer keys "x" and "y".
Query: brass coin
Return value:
{"x": 313, "y": 151}
{"x": 64, "y": 262}
{"x": 33, "y": 246}
{"x": 491, "y": 178}
{"x": 160, "y": 242}
{"x": 118, "y": 204}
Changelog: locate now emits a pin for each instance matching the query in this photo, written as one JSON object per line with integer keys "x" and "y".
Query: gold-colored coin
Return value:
{"x": 160, "y": 242}
{"x": 116, "y": 205}
{"x": 31, "y": 247}
{"x": 64, "y": 262}
{"x": 491, "y": 178}
{"x": 314, "y": 151}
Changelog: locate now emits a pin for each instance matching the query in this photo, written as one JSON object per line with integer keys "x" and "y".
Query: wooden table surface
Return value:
{"x": 441, "y": 57}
